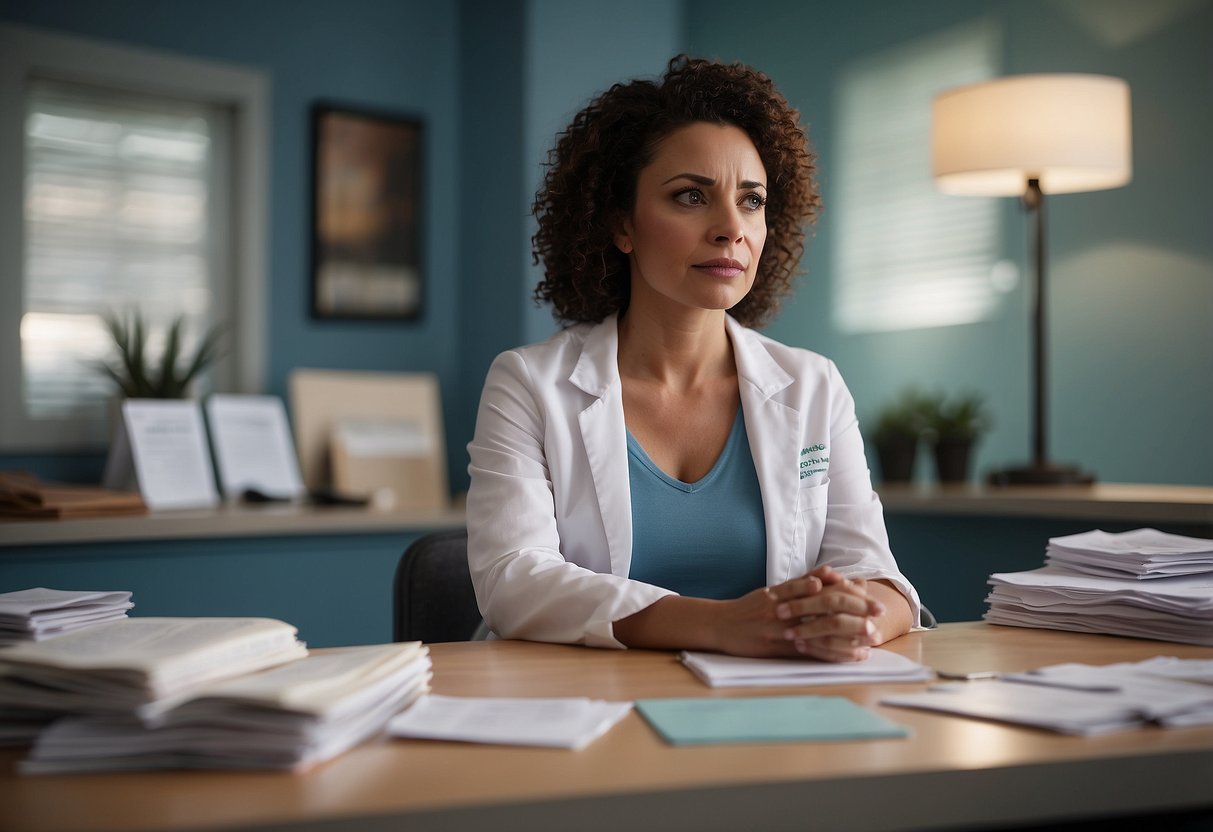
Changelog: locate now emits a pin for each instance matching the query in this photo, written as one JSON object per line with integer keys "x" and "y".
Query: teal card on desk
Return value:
{"x": 764, "y": 719}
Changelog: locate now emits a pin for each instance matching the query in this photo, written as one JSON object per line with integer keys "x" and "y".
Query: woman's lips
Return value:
{"x": 721, "y": 267}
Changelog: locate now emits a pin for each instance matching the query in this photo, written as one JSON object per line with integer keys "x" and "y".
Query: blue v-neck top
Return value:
{"x": 705, "y": 539}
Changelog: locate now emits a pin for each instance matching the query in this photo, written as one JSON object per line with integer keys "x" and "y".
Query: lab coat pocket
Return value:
{"x": 811, "y": 503}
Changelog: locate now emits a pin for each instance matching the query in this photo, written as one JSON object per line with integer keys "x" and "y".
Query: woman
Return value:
{"x": 659, "y": 474}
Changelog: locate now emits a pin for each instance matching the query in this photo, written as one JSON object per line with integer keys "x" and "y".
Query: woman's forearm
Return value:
{"x": 674, "y": 622}
{"x": 896, "y": 618}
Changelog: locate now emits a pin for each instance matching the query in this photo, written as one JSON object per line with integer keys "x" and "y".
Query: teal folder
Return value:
{"x": 765, "y": 719}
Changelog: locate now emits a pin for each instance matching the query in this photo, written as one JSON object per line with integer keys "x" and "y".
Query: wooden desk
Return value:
{"x": 951, "y": 772}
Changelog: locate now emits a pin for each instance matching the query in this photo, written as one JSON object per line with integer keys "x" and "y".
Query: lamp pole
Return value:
{"x": 1034, "y": 202}
{"x": 1040, "y": 471}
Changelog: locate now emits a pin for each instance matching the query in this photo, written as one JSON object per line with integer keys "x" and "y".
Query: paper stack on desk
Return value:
{"x": 1142, "y": 584}
{"x": 137, "y": 667}
{"x": 288, "y": 717}
{"x": 1142, "y": 553}
{"x": 720, "y": 671}
{"x": 41, "y": 613}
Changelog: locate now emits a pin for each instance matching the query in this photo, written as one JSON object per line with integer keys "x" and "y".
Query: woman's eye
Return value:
{"x": 692, "y": 196}
{"x": 754, "y": 201}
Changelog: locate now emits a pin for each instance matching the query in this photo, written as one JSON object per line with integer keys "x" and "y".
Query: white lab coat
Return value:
{"x": 549, "y": 508}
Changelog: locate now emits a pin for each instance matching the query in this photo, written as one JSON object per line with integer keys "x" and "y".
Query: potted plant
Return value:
{"x": 955, "y": 425}
{"x": 898, "y": 427}
{"x": 168, "y": 377}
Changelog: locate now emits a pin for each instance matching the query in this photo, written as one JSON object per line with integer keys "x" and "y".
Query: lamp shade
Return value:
{"x": 1071, "y": 132}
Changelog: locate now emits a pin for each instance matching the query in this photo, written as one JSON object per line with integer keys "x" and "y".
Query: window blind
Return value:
{"x": 906, "y": 255}
{"x": 116, "y": 219}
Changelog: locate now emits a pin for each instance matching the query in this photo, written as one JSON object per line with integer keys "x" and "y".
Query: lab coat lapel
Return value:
{"x": 604, "y": 435}
{"x": 773, "y": 431}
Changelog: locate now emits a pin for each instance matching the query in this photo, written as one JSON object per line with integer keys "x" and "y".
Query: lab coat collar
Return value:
{"x": 597, "y": 368}
{"x": 754, "y": 363}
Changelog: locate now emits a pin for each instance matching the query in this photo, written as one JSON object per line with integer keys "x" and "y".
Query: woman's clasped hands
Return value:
{"x": 821, "y": 615}
{"x": 827, "y": 616}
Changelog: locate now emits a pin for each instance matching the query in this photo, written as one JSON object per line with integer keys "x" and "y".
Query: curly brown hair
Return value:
{"x": 589, "y": 186}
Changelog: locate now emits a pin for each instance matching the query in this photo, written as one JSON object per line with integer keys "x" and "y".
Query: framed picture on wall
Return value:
{"x": 366, "y": 207}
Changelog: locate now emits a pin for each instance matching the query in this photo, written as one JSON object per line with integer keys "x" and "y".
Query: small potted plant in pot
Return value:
{"x": 955, "y": 425}
{"x": 898, "y": 427}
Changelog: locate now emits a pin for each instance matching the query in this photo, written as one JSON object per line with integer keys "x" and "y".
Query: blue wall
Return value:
{"x": 1132, "y": 269}
{"x": 1131, "y": 302}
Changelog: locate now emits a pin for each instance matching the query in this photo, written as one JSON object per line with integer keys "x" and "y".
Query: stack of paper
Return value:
{"x": 1141, "y": 554}
{"x": 555, "y": 723}
{"x": 40, "y": 613}
{"x": 137, "y": 667}
{"x": 735, "y": 671}
{"x": 1076, "y": 698}
{"x": 289, "y": 717}
{"x": 1172, "y": 609}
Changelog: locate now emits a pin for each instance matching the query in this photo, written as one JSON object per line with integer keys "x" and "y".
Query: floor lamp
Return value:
{"x": 1027, "y": 136}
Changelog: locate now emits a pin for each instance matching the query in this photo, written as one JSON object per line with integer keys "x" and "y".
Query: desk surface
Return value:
{"x": 949, "y": 771}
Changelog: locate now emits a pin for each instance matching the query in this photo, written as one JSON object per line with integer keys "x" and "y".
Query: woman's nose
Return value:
{"x": 728, "y": 226}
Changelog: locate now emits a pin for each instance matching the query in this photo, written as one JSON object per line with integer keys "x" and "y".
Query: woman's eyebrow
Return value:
{"x": 700, "y": 179}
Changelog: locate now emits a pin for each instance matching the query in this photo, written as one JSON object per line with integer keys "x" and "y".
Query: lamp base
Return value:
{"x": 1041, "y": 474}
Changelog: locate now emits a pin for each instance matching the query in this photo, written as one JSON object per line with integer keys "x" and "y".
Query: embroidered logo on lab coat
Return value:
{"x": 813, "y": 460}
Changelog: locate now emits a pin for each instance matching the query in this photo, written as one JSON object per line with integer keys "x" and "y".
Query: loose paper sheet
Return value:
{"x": 555, "y": 723}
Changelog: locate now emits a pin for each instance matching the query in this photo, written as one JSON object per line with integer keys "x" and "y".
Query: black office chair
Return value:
{"x": 432, "y": 597}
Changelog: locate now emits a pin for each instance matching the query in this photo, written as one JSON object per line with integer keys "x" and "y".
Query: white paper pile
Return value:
{"x": 1171, "y": 609}
{"x": 41, "y": 613}
{"x": 289, "y": 717}
{"x": 721, "y": 671}
{"x": 1077, "y": 698}
{"x": 555, "y": 723}
{"x": 136, "y": 667}
{"x": 1141, "y": 554}
{"x": 1143, "y": 583}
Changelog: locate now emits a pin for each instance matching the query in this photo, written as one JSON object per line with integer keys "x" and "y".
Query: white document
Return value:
{"x": 1057, "y": 709}
{"x": 1073, "y": 699}
{"x": 555, "y": 723}
{"x": 171, "y": 456}
{"x": 253, "y": 446}
{"x": 35, "y": 614}
{"x": 721, "y": 671}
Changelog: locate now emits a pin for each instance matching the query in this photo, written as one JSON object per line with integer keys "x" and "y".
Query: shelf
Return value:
{"x": 228, "y": 521}
{"x": 1102, "y": 501}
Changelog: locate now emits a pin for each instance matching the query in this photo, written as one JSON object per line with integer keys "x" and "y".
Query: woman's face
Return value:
{"x": 699, "y": 223}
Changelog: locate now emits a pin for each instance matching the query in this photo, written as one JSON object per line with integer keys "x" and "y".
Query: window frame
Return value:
{"x": 244, "y": 93}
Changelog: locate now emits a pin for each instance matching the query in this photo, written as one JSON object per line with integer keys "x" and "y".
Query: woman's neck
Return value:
{"x": 680, "y": 354}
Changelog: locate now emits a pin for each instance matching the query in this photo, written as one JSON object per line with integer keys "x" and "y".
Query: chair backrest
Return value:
{"x": 432, "y": 597}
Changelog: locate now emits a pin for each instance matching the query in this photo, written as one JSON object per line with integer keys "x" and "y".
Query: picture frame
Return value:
{"x": 367, "y": 169}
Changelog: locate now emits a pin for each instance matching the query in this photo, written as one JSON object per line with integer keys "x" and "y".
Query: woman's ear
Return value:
{"x": 623, "y": 242}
